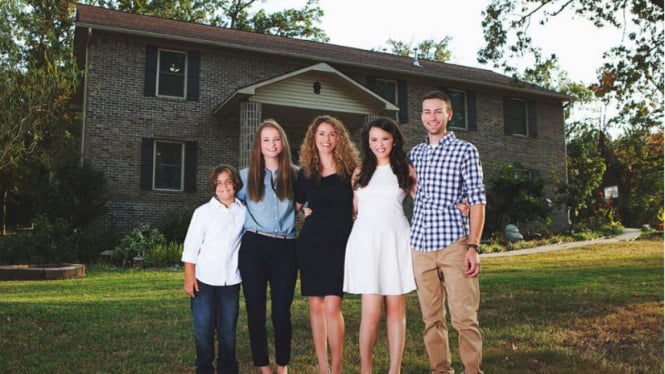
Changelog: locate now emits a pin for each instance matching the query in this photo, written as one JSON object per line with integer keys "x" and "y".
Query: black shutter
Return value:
{"x": 533, "y": 128}
{"x": 471, "y": 118}
{"x": 150, "y": 77}
{"x": 403, "y": 100}
{"x": 506, "y": 129}
{"x": 190, "y": 166}
{"x": 147, "y": 146}
{"x": 193, "y": 74}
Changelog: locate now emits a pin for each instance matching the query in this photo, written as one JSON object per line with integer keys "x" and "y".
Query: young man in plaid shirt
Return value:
{"x": 444, "y": 240}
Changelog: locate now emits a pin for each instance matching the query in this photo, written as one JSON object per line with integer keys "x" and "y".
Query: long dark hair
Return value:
{"x": 398, "y": 161}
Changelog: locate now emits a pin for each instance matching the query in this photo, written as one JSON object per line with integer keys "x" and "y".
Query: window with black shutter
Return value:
{"x": 463, "y": 104}
{"x": 168, "y": 165}
{"x": 395, "y": 92}
{"x": 170, "y": 73}
{"x": 515, "y": 117}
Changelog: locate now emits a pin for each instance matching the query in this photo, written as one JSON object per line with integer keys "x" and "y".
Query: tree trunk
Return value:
{"x": 4, "y": 213}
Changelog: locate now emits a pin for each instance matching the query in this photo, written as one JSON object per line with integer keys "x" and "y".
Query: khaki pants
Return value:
{"x": 440, "y": 274}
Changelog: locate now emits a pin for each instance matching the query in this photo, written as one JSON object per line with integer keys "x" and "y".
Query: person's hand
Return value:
{"x": 191, "y": 286}
{"x": 307, "y": 212}
{"x": 471, "y": 263}
{"x": 464, "y": 207}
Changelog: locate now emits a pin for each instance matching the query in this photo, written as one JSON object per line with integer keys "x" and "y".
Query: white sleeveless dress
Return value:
{"x": 378, "y": 257}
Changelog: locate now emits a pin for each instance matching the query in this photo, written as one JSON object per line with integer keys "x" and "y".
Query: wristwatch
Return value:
{"x": 474, "y": 246}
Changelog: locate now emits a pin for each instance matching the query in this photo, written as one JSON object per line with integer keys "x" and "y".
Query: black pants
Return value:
{"x": 263, "y": 260}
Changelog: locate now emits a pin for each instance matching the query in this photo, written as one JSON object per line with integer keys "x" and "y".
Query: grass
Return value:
{"x": 593, "y": 309}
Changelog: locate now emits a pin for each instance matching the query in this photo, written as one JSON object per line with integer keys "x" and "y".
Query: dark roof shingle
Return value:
{"x": 130, "y": 23}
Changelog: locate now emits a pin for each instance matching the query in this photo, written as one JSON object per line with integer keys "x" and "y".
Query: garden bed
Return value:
{"x": 42, "y": 272}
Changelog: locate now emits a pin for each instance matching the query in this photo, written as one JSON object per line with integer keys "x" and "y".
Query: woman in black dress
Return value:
{"x": 328, "y": 159}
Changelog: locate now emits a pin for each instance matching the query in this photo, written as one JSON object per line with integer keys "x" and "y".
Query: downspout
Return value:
{"x": 85, "y": 95}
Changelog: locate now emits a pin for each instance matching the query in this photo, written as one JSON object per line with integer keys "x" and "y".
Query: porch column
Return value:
{"x": 250, "y": 118}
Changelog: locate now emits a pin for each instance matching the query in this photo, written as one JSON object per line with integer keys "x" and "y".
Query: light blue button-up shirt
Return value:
{"x": 270, "y": 215}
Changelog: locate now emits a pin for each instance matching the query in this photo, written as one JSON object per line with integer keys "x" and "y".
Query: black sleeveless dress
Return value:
{"x": 321, "y": 243}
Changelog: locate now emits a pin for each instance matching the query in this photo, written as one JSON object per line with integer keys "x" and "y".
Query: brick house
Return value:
{"x": 163, "y": 101}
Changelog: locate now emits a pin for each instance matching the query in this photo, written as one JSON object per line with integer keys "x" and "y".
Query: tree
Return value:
{"x": 637, "y": 169}
{"x": 235, "y": 14}
{"x": 37, "y": 77}
{"x": 632, "y": 73}
{"x": 586, "y": 168}
{"x": 427, "y": 49}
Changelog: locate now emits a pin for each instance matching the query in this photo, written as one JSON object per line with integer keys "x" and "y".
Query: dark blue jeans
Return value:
{"x": 215, "y": 308}
{"x": 262, "y": 261}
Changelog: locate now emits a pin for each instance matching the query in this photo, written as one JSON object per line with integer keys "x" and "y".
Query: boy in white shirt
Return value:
{"x": 212, "y": 278}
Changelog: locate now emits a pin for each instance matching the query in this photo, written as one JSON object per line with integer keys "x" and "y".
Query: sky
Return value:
{"x": 368, "y": 24}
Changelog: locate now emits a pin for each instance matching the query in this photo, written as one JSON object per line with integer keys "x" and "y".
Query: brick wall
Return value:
{"x": 118, "y": 116}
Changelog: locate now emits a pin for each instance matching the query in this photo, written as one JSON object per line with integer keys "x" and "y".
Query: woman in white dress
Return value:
{"x": 378, "y": 259}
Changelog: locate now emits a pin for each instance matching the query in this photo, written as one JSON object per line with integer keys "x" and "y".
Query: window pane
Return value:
{"x": 516, "y": 117}
{"x": 170, "y": 85}
{"x": 458, "y": 101}
{"x": 387, "y": 90}
{"x": 172, "y": 73}
{"x": 168, "y": 166}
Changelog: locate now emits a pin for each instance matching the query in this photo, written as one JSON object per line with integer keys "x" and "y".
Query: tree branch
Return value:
{"x": 563, "y": 7}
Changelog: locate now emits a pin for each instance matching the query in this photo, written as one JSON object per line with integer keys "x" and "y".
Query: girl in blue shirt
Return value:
{"x": 268, "y": 249}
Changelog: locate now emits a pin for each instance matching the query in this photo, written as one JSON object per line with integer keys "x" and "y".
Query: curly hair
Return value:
{"x": 398, "y": 161}
{"x": 257, "y": 165}
{"x": 345, "y": 154}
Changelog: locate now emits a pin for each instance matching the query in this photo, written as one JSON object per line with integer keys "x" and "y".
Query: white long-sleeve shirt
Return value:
{"x": 213, "y": 241}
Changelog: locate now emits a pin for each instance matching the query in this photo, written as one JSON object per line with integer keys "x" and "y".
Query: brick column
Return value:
{"x": 250, "y": 118}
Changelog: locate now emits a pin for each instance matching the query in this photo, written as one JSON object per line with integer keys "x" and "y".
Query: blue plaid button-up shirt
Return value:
{"x": 447, "y": 174}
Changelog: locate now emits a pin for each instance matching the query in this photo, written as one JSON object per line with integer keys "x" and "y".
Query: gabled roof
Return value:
{"x": 249, "y": 91}
{"x": 133, "y": 24}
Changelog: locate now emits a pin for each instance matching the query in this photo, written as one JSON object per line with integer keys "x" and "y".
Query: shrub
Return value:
{"x": 516, "y": 199}
{"x": 95, "y": 238}
{"x": 174, "y": 223}
{"x": 164, "y": 254}
{"x": 136, "y": 243}
{"x": 48, "y": 242}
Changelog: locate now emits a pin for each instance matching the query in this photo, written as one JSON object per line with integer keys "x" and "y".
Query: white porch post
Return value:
{"x": 250, "y": 118}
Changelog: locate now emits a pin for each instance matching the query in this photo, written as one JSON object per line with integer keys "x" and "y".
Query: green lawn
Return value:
{"x": 595, "y": 309}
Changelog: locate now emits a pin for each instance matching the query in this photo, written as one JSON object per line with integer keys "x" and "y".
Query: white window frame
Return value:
{"x": 186, "y": 69}
{"x": 182, "y": 166}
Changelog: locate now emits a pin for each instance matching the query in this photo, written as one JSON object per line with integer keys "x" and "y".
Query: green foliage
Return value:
{"x": 586, "y": 168}
{"x": 136, "y": 243}
{"x": 55, "y": 241}
{"x": 234, "y": 14}
{"x": 632, "y": 73}
{"x": 427, "y": 49}
{"x": 37, "y": 76}
{"x": 516, "y": 200}
{"x": 47, "y": 242}
{"x": 637, "y": 167}
{"x": 94, "y": 239}
{"x": 175, "y": 222}
{"x": 164, "y": 255}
